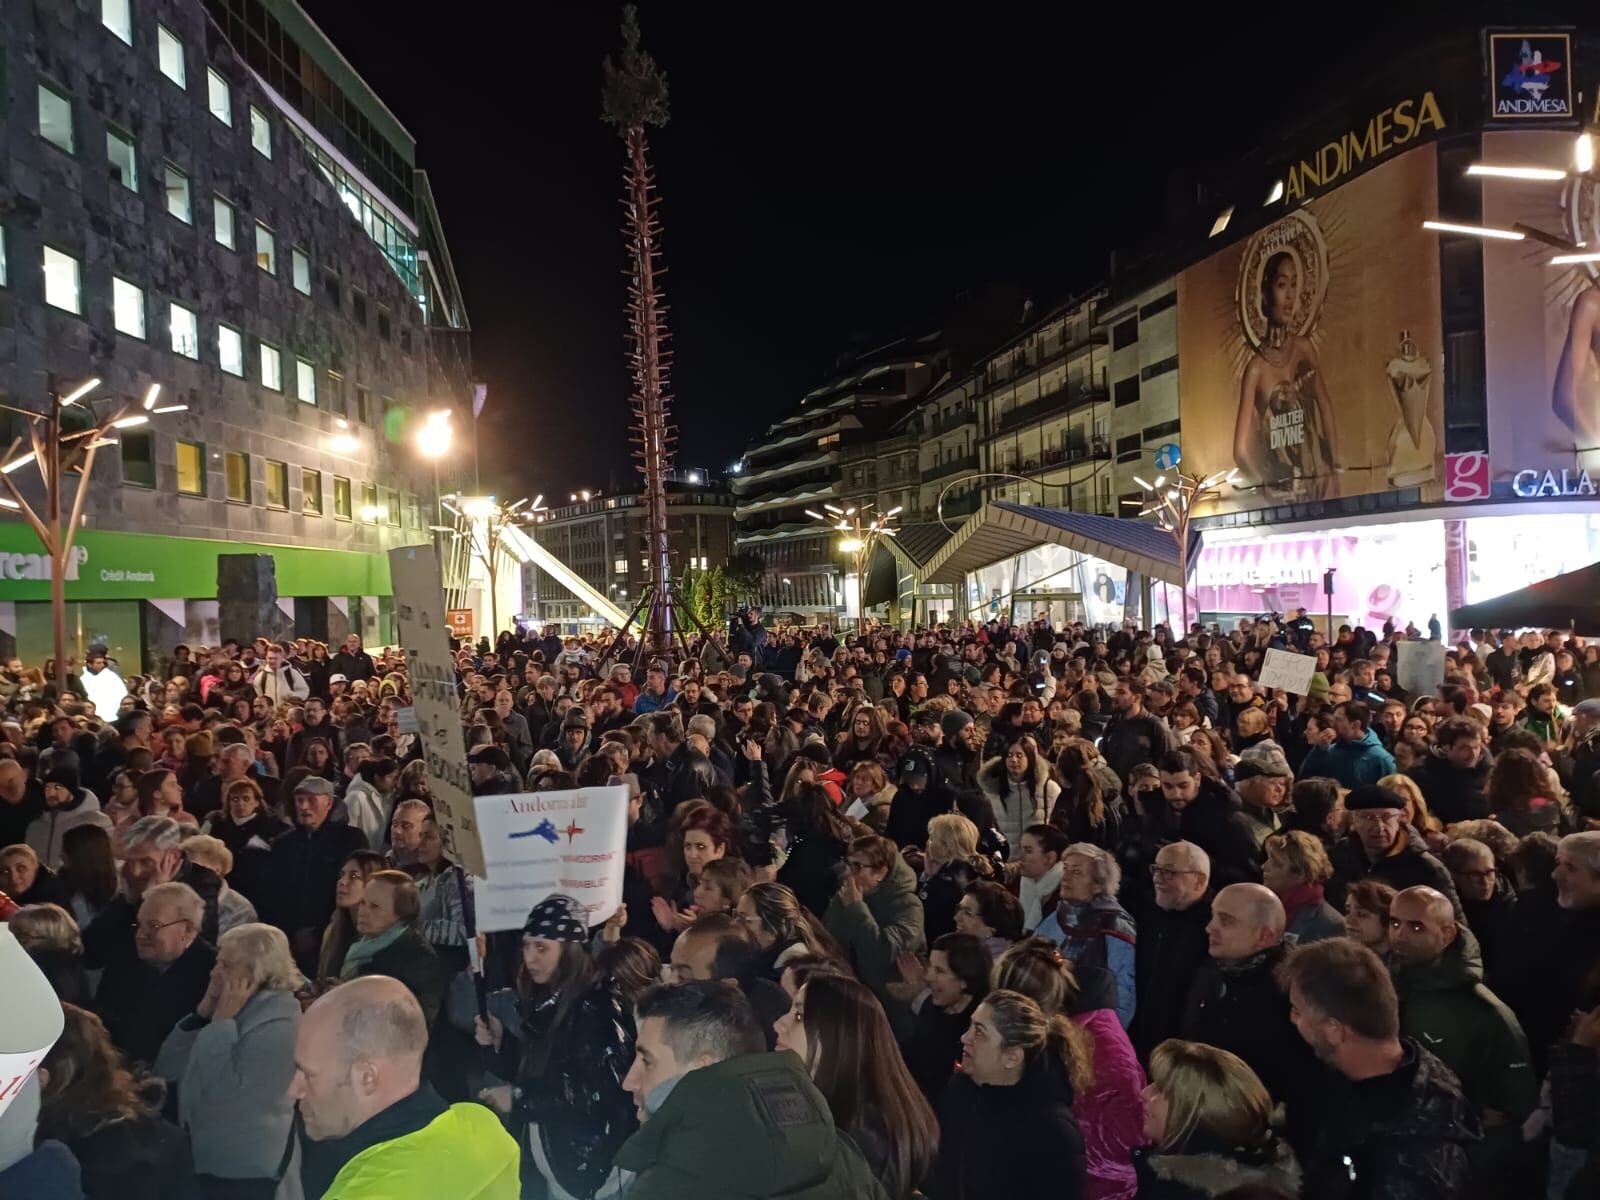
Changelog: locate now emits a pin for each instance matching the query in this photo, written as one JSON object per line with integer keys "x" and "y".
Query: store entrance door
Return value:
{"x": 1059, "y": 608}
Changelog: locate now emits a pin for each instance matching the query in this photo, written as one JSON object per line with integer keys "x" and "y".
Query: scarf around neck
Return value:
{"x": 367, "y": 947}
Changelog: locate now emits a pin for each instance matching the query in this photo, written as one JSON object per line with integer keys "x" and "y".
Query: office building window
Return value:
{"x": 117, "y": 16}
{"x": 124, "y": 159}
{"x": 260, "y": 132}
{"x": 55, "y": 119}
{"x": 169, "y": 51}
{"x": 333, "y": 394}
{"x": 619, "y": 567}
{"x": 177, "y": 185}
{"x": 363, "y": 405}
{"x": 191, "y": 469}
{"x": 238, "y": 470}
{"x": 300, "y": 269}
{"x": 341, "y": 498}
{"x": 391, "y": 503}
{"x": 1125, "y": 392}
{"x": 230, "y": 350}
{"x": 218, "y": 99}
{"x": 277, "y": 484}
{"x": 311, "y": 492}
{"x": 369, "y": 503}
{"x": 271, "y": 368}
{"x": 1125, "y": 333}
{"x": 266, "y": 249}
{"x": 358, "y": 308}
{"x": 138, "y": 458}
{"x": 222, "y": 222}
{"x": 305, "y": 381}
{"x": 127, "y": 308}
{"x": 185, "y": 328}
{"x": 61, "y": 288}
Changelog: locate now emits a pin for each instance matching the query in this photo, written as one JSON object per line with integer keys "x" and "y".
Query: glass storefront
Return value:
{"x": 1048, "y": 581}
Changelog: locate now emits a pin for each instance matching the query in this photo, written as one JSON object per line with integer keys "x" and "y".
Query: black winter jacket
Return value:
{"x": 1215, "y": 822}
{"x": 1010, "y": 1141}
{"x": 1401, "y": 1136}
{"x": 1169, "y": 953}
{"x": 1412, "y": 866}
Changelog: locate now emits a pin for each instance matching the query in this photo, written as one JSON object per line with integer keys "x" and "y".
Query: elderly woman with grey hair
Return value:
{"x": 232, "y": 1060}
{"x": 1091, "y": 927}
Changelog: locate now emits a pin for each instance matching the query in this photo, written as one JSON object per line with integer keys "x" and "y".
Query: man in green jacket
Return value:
{"x": 877, "y": 916}
{"x": 723, "y": 1118}
{"x": 372, "y": 1129}
{"x": 1438, "y": 976}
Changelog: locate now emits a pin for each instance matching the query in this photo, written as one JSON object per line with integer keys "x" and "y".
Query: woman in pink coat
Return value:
{"x": 1110, "y": 1112}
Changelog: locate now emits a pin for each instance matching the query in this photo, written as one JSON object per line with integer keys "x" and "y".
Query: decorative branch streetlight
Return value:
{"x": 1172, "y": 499}
{"x": 861, "y": 536}
{"x": 485, "y": 522}
{"x": 56, "y": 454}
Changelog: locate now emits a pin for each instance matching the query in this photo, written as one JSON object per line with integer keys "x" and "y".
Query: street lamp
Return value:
{"x": 58, "y": 454}
{"x": 862, "y": 535}
{"x": 434, "y": 437}
{"x": 1172, "y": 499}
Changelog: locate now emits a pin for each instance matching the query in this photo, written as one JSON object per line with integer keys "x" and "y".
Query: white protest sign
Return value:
{"x": 1419, "y": 666}
{"x": 1287, "y": 670}
{"x": 419, "y": 609}
{"x": 33, "y": 1018}
{"x": 539, "y": 843}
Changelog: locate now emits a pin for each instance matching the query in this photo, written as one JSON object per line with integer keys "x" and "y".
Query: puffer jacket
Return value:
{"x": 1203, "y": 1167}
{"x": 574, "y": 1095}
{"x": 1102, "y": 934}
{"x": 1395, "y": 1137}
{"x": 1018, "y": 805}
{"x": 1111, "y": 1112}
{"x": 1353, "y": 764}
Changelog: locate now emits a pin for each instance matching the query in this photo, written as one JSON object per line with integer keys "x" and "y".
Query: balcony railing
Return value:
{"x": 943, "y": 422}
{"x": 961, "y": 506}
{"x": 1062, "y": 400}
{"x": 952, "y": 466}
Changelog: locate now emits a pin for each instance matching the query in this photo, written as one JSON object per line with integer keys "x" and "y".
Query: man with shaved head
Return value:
{"x": 1438, "y": 977}
{"x": 1235, "y": 1003}
{"x": 372, "y": 1127}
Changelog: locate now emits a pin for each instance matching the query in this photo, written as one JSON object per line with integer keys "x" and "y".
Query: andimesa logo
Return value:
{"x": 1531, "y": 75}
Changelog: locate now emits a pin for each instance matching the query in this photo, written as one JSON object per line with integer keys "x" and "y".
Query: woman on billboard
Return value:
{"x": 1284, "y": 439}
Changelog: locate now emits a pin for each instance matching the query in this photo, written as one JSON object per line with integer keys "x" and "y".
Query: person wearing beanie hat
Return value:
{"x": 569, "y": 1034}
{"x": 959, "y": 755}
{"x": 1262, "y": 778}
{"x": 67, "y": 805}
{"x": 573, "y": 745}
{"x": 1317, "y": 689}
{"x": 1382, "y": 846}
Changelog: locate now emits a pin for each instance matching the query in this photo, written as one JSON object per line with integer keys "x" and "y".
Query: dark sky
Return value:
{"x": 832, "y": 176}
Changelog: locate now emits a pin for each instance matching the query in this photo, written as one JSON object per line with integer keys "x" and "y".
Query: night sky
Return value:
{"x": 832, "y": 177}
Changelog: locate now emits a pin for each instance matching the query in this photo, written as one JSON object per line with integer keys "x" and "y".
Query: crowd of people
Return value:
{"x": 972, "y": 911}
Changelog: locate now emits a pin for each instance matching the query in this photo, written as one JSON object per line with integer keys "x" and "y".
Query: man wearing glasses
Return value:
{"x": 1486, "y": 897}
{"x": 1172, "y": 943}
{"x": 142, "y": 998}
{"x": 1383, "y": 846}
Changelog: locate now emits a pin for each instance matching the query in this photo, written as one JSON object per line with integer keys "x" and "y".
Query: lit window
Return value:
{"x": 191, "y": 469}
{"x": 55, "y": 119}
{"x": 185, "y": 328}
{"x": 305, "y": 381}
{"x": 238, "y": 470}
{"x": 370, "y": 511}
{"x": 61, "y": 281}
{"x": 311, "y": 492}
{"x": 117, "y": 16}
{"x": 222, "y": 222}
{"x": 341, "y": 498}
{"x": 260, "y": 132}
{"x": 300, "y": 266}
{"x": 391, "y": 504}
{"x": 177, "y": 184}
{"x": 620, "y": 567}
{"x": 124, "y": 159}
{"x": 127, "y": 308}
{"x": 218, "y": 98}
{"x": 271, "y": 368}
{"x": 266, "y": 249}
{"x": 169, "y": 50}
{"x": 230, "y": 350}
{"x": 277, "y": 484}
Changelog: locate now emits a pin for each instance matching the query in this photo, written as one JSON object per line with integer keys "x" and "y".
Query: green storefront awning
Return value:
{"x": 138, "y": 566}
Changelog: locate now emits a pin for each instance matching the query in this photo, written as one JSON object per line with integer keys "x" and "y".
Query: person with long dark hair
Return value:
{"x": 819, "y": 840}
{"x": 88, "y": 875}
{"x": 839, "y": 1030}
{"x": 567, "y": 1050}
{"x": 341, "y": 933}
{"x": 92, "y": 1103}
{"x": 1085, "y": 810}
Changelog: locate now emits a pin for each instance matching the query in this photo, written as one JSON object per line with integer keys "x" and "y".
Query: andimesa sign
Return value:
{"x": 1387, "y": 131}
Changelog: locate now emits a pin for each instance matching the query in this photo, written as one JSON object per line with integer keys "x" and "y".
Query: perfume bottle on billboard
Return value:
{"x": 1413, "y": 444}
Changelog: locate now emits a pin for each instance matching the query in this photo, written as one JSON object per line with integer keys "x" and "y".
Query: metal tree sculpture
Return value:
{"x": 633, "y": 98}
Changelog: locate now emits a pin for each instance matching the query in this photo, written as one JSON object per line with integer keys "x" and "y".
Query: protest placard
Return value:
{"x": 419, "y": 610}
{"x": 1419, "y": 666}
{"x": 539, "y": 843}
{"x": 1287, "y": 670}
